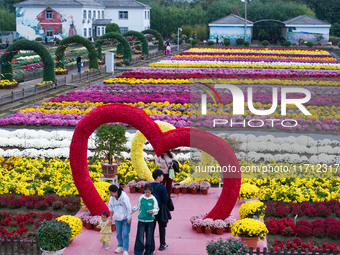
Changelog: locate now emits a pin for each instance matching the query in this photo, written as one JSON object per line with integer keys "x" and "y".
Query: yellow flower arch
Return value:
{"x": 137, "y": 158}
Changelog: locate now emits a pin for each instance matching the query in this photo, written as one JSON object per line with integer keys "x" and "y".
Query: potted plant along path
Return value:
{"x": 53, "y": 237}
{"x": 250, "y": 231}
{"x": 110, "y": 140}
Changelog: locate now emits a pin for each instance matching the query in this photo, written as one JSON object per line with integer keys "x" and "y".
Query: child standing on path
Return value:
{"x": 105, "y": 231}
{"x": 120, "y": 209}
{"x": 148, "y": 208}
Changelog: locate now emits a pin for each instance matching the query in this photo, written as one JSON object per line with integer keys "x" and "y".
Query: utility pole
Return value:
{"x": 245, "y": 20}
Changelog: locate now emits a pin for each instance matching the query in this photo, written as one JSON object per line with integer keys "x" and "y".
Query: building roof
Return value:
{"x": 103, "y": 22}
{"x": 123, "y": 4}
{"x": 65, "y": 3}
{"x": 305, "y": 20}
{"x": 231, "y": 19}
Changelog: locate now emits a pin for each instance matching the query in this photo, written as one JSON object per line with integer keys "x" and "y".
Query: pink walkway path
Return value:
{"x": 180, "y": 237}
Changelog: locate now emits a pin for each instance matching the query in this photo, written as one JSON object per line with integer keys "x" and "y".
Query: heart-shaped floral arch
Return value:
{"x": 161, "y": 142}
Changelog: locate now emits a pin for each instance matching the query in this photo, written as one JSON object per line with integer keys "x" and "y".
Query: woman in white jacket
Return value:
{"x": 120, "y": 208}
{"x": 164, "y": 163}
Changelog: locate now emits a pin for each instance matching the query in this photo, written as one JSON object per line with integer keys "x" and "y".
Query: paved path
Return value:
{"x": 180, "y": 237}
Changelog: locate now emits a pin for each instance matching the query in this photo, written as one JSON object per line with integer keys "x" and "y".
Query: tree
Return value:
{"x": 112, "y": 27}
{"x": 201, "y": 32}
{"x": 7, "y": 20}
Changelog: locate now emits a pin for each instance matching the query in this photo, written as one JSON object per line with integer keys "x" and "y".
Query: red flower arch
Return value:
{"x": 161, "y": 142}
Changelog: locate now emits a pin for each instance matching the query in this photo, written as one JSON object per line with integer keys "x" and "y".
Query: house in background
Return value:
{"x": 301, "y": 27}
{"x": 307, "y": 28}
{"x": 232, "y": 27}
{"x": 62, "y": 18}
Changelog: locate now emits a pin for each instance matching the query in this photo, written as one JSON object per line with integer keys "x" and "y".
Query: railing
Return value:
{"x": 38, "y": 73}
{"x": 30, "y": 247}
{"x": 77, "y": 77}
{"x": 19, "y": 247}
{"x": 285, "y": 251}
{"x": 32, "y": 91}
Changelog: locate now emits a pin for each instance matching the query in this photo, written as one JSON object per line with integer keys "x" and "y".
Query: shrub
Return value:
{"x": 123, "y": 45}
{"x": 157, "y": 35}
{"x": 287, "y": 43}
{"x": 142, "y": 38}
{"x": 194, "y": 42}
{"x": 53, "y": 235}
{"x": 229, "y": 246}
{"x": 339, "y": 44}
{"x": 38, "y": 39}
{"x": 265, "y": 43}
{"x": 60, "y": 52}
{"x": 211, "y": 43}
{"x": 72, "y": 206}
{"x": 41, "y": 205}
{"x": 38, "y": 48}
{"x": 119, "y": 64}
{"x": 319, "y": 232}
{"x": 112, "y": 28}
{"x": 56, "y": 205}
{"x": 226, "y": 42}
{"x": 126, "y": 62}
{"x": 246, "y": 43}
{"x": 309, "y": 44}
{"x": 239, "y": 41}
{"x": 301, "y": 41}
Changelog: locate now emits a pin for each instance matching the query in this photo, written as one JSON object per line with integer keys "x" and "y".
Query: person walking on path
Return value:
{"x": 216, "y": 40}
{"x": 164, "y": 163}
{"x": 148, "y": 208}
{"x": 79, "y": 63}
{"x": 163, "y": 215}
{"x": 120, "y": 208}
{"x": 105, "y": 231}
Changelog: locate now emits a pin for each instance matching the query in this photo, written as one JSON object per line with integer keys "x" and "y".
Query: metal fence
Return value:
{"x": 77, "y": 77}
{"x": 38, "y": 73}
{"x": 19, "y": 247}
{"x": 32, "y": 91}
{"x": 30, "y": 247}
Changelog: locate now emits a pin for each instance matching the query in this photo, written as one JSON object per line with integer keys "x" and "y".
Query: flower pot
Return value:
{"x": 228, "y": 229}
{"x": 199, "y": 229}
{"x": 60, "y": 252}
{"x": 141, "y": 190}
{"x": 250, "y": 241}
{"x": 84, "y": 223}
{"x": 113, "y": 227}
{"x": 89, "y": 225}
{"x": 133, "y": 190}
{"x": 208, "y": 230}
{"x": 204, "y": 191}
{"x": 109, "y": 170}
{"x": 184, "y": 190}
{"x": 193, "y": 227}
{"x": 219, "y": 231}
{"x": 193, "y": 191}
{"x": 177, "y": 190}
{"x": 96, "y": 228}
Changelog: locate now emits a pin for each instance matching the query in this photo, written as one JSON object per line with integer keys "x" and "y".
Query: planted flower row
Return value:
{"x": 317, "y": 209}
{"x": 297, "y": 244}
{"x": 39, "y": 202}
{"x": 319, "y": 228}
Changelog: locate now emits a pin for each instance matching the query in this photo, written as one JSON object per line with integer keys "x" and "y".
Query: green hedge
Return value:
{"x": 38, "y": 48}
{"x": 77, "y": 39}
{"x": 122, "y": 41}
{"x": 142, "y": 38}
{"x": 112, "y": 28}
{"x": 158, "y": 37}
